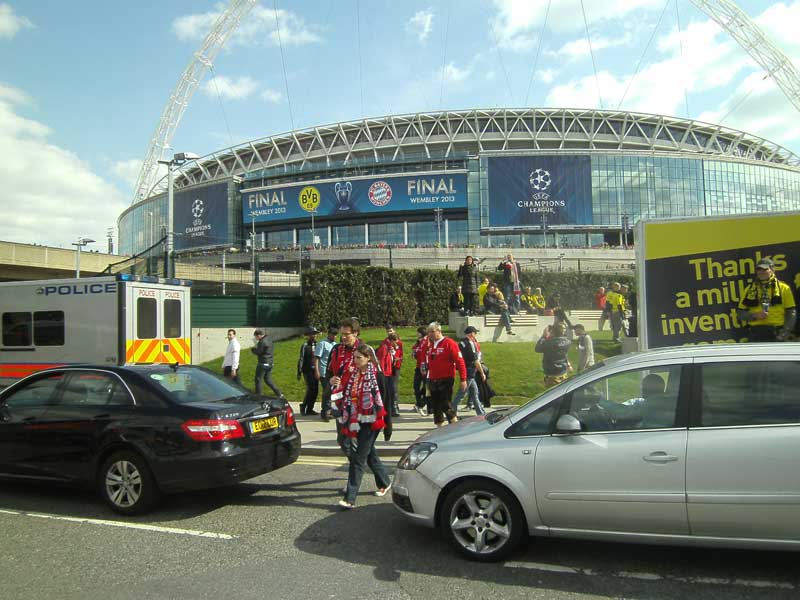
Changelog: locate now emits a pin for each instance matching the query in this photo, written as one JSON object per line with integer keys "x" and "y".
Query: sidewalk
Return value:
{"x": 319, "y": 437}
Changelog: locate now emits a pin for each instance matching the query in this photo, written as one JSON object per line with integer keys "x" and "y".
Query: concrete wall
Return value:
{"x": 27, "y": 261}
{"x": 209, "y": 343}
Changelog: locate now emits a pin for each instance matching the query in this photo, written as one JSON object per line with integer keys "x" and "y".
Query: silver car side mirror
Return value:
{"x": 568, "y": 424}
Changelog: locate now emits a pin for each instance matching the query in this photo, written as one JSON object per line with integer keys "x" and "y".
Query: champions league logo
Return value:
{"x": 541, "y": 201}
{"x": 540, "y": 179}
{"x": 197, "y": 211}
{"x": 343, "y": 192}
{"x": 197, "y": 229}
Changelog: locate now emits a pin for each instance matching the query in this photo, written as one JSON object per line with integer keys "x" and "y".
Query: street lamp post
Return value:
{"x": 177, "y": 159}
{"x": 544, "y": 230}
{"x": 224, "y": 252}
{"x": 82, "y": 241}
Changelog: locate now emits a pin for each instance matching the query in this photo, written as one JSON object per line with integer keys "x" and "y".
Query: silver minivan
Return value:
{"x": 694, "y": 445}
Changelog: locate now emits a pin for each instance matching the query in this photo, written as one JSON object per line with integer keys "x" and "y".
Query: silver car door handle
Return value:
{"x": 660, "y": 457}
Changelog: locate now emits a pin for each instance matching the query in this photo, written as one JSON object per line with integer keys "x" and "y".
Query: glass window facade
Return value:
{"x": 646, "y": 186}
{"x": 280, "y": 239}
{"x": 424, "y": 233}
{"x": 386, "y": 233}
{"x": 347, "y": 235}
{"x": 457, "y": 232}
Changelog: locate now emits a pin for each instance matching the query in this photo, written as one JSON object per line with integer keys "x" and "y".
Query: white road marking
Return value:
{"x": 757, "y": 583}
{"x": 544, "y": 567}
{"x": 645, "y": 576}
{"x": 122, "y": 524}
{"x": 324, "y": 462}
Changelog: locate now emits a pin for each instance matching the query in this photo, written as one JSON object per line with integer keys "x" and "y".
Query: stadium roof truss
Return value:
{"x": 442, "y": 135}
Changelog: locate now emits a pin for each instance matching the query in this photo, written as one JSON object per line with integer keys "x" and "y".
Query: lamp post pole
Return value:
{"x": 179, "y": 158}
{"x": 78, "y": 245}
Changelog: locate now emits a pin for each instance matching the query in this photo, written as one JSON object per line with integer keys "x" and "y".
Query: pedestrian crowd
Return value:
{"x": 359, "y": 384}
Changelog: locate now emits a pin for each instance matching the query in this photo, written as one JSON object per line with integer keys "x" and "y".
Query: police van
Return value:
{"x": 120, "y": 319}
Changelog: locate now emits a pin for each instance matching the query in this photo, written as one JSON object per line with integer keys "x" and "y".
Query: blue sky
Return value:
{"x": 82, "y": 84}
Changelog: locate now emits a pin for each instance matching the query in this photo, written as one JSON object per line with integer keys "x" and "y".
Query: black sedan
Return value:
{"x": 138, "y": 432}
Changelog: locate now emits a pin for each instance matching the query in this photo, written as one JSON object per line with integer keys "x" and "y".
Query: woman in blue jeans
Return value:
{"x": 362, "y": 417}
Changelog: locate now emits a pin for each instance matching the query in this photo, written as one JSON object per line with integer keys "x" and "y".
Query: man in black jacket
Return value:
{"x": 554, "y": 347}
{"x": 305, "y": 369}
{"x": 265, "y": 357}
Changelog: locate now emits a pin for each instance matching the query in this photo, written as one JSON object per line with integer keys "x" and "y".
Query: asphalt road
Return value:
{"x": 281, "y": 536}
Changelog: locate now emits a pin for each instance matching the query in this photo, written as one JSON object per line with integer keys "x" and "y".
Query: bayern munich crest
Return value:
{"x": 380, "y": 193}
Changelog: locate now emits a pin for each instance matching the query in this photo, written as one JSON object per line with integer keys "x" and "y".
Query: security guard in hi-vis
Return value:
{"x": 767, "y": 306}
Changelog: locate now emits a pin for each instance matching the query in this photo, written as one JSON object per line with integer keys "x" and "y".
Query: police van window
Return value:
{"x": 48, "y": 328}
{"x": 750, "y": 393}
{"x": 146, "y": 322}
{"x": 17, "y": 329}
{"x": 172, "y": 318}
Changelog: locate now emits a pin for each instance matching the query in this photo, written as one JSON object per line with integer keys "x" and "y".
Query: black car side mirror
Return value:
{"x": 568, "y": 424}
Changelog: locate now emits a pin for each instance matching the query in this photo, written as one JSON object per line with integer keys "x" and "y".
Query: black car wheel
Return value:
{"x": 482, "y": 520}
{"x": 127, "y": 484}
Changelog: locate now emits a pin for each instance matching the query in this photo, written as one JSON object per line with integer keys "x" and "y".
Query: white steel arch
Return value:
{"x": 201, "y": 60}
{"x": 747, "y": 34}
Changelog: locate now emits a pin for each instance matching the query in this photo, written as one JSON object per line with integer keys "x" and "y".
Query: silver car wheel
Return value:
{"x": 480, "y": 522}
{"x": 123, "y": 483}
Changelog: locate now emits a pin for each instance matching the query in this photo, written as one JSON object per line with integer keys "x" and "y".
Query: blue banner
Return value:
{"x": 523, "y": 189}
{"x": 355, "y": 196}
{"x": 201, "y": 217}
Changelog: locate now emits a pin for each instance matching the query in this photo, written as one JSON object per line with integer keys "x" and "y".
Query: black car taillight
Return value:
{"x": 213, "y": 430}
{"x": 289, "y": 415}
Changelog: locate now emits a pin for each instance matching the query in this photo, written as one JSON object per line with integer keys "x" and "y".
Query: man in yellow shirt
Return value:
{"x": 767, "y": 306}
{"x": 539, "y": 303}
{"x": 616, "y": 301}
{"x": 482, "y": 290}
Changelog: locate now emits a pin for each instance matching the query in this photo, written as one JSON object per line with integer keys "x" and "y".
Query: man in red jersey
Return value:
{"x": 420, "y": 353}
{"x": 444, "y": 359}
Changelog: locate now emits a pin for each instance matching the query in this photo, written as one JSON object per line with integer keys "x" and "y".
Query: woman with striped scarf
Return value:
{"x": 362, "y": 417}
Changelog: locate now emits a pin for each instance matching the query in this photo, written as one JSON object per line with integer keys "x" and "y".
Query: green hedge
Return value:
{"x": 378, "y": 295}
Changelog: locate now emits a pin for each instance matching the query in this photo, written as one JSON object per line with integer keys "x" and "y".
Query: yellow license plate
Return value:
{"x": 263, "y": 424}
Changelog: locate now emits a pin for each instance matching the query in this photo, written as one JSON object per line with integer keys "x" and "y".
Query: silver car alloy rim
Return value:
{"x": 123, "y": 483}
{"x": 481, "y": 522}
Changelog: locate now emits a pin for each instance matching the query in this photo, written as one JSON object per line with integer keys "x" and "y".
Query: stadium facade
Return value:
{"x": 481, "y": 178}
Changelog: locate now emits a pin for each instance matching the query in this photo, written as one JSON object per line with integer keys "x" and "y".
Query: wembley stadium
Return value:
{"x": 511, "y": 178}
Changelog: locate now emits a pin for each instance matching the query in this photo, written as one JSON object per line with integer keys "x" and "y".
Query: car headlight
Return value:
{"x": 415, "y": 454}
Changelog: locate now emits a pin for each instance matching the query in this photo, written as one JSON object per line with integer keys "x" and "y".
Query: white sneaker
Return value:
{"x": 345, "y": 504}
{"x": 382, "y": 492}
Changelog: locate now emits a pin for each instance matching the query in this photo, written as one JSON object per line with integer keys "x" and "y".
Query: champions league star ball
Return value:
{"x": 197, "y": 208}
{"x": 540, "y": 179}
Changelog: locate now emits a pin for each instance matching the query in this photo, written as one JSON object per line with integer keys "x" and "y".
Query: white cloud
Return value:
{"x": 271, "y": 96}
{"x": 10, "y": 24}
{"x": 579, "y": 48}
{"x": 257, "y": 28}
{"x": 516, "y": 23}
{"x": 421, "y": 24}
{"x": 231, "y": 88}
{"x": 546, "y": 75}
{"x": 455, "y": 74}
{"x": 128, "y": 170}
{"x": 50, "y": 196}
{"x": 758, "y": 107}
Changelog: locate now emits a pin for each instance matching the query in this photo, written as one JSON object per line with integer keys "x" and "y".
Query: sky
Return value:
{"x": 82, "y": 84}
